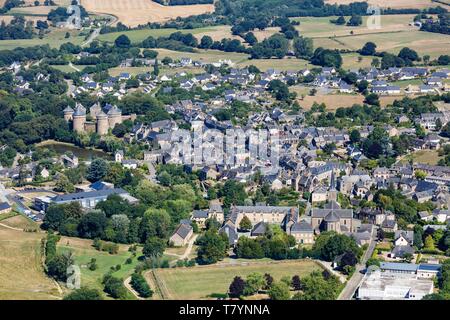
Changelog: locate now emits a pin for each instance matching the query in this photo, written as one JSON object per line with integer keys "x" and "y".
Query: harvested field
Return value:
{"x": 21, "y": 274}
{"x": 136, "y": 12}
{"x": 278, "y": 64}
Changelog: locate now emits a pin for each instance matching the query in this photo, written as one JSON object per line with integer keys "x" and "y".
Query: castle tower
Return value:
{"x": 95, "y": 110}
{"x": 68, "y": 113}
{"x": 114, "y": 116}
{"x": 102, "y": 123}
{"x": 79, "y": 118}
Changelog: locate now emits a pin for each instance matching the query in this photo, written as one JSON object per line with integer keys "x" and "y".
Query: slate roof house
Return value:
{"x": 181, "y": 235}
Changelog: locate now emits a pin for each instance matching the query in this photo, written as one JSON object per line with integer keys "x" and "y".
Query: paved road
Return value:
{"x": 355, "y": 280}
{"x": 96, "y": 32}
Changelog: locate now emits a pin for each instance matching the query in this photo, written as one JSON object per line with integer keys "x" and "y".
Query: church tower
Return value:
{"x": 332, "y": 192}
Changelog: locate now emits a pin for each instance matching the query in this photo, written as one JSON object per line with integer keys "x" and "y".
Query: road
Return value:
{"x": 96, "y": 32}
{"x": 355, "y": 280}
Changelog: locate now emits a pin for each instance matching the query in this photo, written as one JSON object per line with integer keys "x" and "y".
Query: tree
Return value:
{"x": 254, "y": 283}
{"x": 355, "y": 21}
{"x": 58, "y": 265}
{"x": 279, "y": 291}
{"x": 348, "y": 259}
{"x": 316, "y": 287}
{"x": 122, "y": 41}
{"x": 139, "y": 284}
{"x": 206, "y": 42}
{"x": 303, "y": 47}
{"x": 154, "y": 247}
{"x": 420, "y": 175}
{"x": 97, "y": 170}
{"x": 355, "y": 136}
{"x": 250, "y": 38}
{"x": 369, "y": 49}
{"x": 114, "y": 287}
{"x": 296, "y": 283}
{"x": 92, "y": 225}
{"x": 376, "y": 144}
{"x": 340, "y": 21}
{"x": 327, "y": 58}
{"x": 156, "y": 68}
{"x": 429, "y": 243}
{"x": 154, "y": 223}
{"x": 245, "y": 224}
{"x": 212, "y": 247}
{"x": 236, "y": 288}
{"x": 372, "y": 262}
{"x": 375, "y": 63}
{"x": 408, "y": 54}
{"x": 84, "y": 293}
{"x": 249, "y": 248}
{"x": 372, "y": 99}
{"x": 269, "y": 280}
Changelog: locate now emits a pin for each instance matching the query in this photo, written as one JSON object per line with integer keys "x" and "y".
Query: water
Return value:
{"x": 81, "y": 153}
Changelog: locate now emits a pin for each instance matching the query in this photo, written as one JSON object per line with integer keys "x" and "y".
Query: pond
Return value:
{"x": 81, "y": 153}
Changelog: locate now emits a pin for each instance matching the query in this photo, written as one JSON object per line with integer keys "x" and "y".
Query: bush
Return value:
{"x": 140, "y": 285}
{"x": 114, "y": 287}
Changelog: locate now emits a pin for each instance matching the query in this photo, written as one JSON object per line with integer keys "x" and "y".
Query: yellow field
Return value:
{"x": 21, "y": 272}
{"x": 136, "y": 12}
{"x": 416, "y": 4}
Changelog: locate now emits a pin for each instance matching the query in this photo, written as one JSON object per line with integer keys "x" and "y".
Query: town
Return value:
{"x": 185, "y": 177}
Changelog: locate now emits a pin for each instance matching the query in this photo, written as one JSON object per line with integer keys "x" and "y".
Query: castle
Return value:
{"x": 101, "y": 119}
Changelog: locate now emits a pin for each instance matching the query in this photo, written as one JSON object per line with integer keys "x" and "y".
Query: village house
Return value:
{"x": 181, "y": 235}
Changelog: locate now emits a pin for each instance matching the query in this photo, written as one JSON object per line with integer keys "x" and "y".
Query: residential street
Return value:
{"x": 353, "y": 284}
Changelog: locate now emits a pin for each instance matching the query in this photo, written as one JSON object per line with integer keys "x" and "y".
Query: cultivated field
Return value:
{"x": 416, "y": 4}
{"x": 21, "y": 271}
{"x": 203, "y": 281}
{"x": 136, "y": 12}
{"x": 39, "y": 10}
{"x": 7, "y": 19}
{"x": 394, "y": 34}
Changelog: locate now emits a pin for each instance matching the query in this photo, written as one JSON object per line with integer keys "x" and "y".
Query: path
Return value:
{"x": 127, "y": 285}
{"x": 354, "y": 282}
{"x": 9, "y": 227}
{"x": 187, "y": 252}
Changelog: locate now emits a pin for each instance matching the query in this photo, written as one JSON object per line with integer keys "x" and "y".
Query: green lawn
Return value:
{"x": 203, "y": 55}
{"x": 202, "y": 281}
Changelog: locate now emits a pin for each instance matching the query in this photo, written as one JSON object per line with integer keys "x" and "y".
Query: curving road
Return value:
{"x": 96, "y": 32}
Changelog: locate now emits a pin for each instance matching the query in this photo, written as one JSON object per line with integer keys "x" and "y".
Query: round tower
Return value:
{"x": 102, "y": 123}
{"x": 68, "y": 112}
{"x": 114, "y": 116}
{"x": 79, "y": 118}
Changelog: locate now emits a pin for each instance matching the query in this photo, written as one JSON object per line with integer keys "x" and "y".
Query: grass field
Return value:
{"x": 200, "y": 282}
{"x": 203, "y": 55}
{"x": 278, "y": 64}
{"x": 136, "y": 12}
{"x": 20, "y": 221}
{"x": 53, "y": 39}
{"x": 83, "y": 252}
{"x": 430, "y": 157}
{"x": 139, "y": 35}
{"x": 21, "y": 271}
